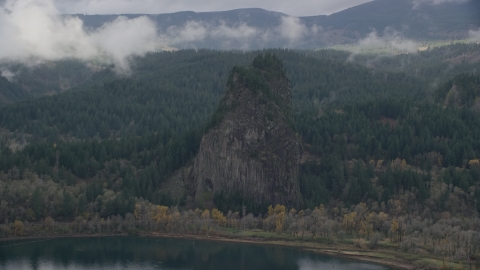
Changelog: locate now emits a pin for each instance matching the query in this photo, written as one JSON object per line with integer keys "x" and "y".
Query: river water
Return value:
{"x": 139, "y": 253}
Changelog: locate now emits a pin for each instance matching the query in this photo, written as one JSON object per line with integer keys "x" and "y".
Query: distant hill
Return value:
{"x": 255, "y": 17}
{"x": 421, "y": 22}
{"x": 425, "y": 21}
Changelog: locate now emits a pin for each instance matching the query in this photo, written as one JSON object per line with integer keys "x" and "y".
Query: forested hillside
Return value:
{"x": 47, "y": 78}
{"x": 461, "y": 91}
{"x": 10, "y": 92}
{"x": 434, "y": 66}
{"x": 377, "y": 135}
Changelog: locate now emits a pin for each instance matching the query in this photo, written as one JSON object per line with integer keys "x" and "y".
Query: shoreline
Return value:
{"x": 305, "y": 246}
{"x": 346, "y": 251}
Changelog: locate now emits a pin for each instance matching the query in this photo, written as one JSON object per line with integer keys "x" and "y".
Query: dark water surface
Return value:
{"x": 134, "y": 252}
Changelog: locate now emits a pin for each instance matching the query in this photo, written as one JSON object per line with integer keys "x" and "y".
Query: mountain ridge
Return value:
{"x": 409, "y": 20}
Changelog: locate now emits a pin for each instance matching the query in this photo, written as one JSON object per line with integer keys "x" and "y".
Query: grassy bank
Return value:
{"x": 385, "y": 254}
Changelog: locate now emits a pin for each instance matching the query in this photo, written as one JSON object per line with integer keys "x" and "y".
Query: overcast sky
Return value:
{"x": 290, "y": 7}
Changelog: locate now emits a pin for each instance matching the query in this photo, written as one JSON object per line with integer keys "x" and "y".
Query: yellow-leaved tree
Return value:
{"x": 394, "y": 228}
{"x": 18, "y": 227}
{"x": 349, "y": 222}
{"x": 279, "y": 211}
{"x": 161, "y": 216}
{"x": 206, "y": 219}
{"x": 218, "y": 217}
{"x": 278, "y": 214}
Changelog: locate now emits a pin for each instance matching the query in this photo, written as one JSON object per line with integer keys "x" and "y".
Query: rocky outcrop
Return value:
{"x": 250, "y": 148}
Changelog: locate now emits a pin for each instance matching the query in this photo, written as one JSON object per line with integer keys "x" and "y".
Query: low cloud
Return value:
{"x": 7, "y": 74}
{"x": 192, "y": 31}
{"x": 391, "y": 41}
{"x": 124, "y": 38}
{"x": 227, "y": 37}
{"x": 390, "y": 38}
{"x": 292, "y": 29}
{"x": 475, "y": 35}
{"x": 315, "y": 29}
{"x": 240, "y": 36}
{"x": 418, "y": 3}
{"x": 32, "y": 31}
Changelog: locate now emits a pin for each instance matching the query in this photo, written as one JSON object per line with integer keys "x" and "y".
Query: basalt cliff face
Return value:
{"x": 250, "y": 148}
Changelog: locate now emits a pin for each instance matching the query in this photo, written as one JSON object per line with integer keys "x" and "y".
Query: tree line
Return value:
{"x": 366, "y": 226}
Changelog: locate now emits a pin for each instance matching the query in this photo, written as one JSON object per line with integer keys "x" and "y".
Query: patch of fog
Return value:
{"x": 33, "y": 31}
{"x": 292, "y": 29}
{"x": 7, "y": 74}
{"x": 418, "y": 3}
{"x": 390, "y": 38}
{"x": 391, "y": 41}
{"x": 239, "y": 36}
{"x": 475, "y": 35}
